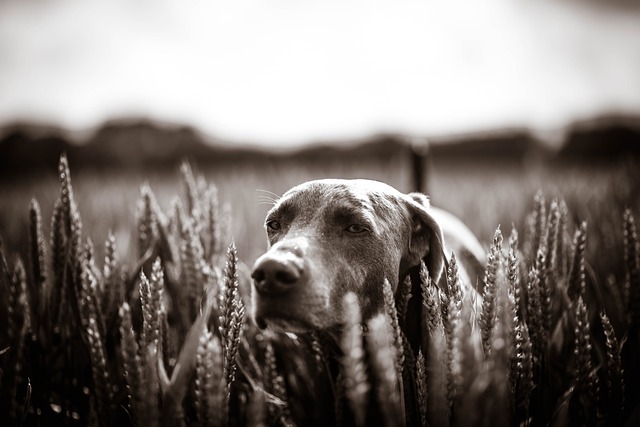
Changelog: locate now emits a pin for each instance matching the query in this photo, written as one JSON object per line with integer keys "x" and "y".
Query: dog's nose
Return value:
{"x": 275, "y": 274}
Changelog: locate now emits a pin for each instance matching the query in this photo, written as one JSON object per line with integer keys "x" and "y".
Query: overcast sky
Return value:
{"x": 290, "y": 71}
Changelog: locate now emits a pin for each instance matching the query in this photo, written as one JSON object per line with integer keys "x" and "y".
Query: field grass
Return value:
{"x": 483, "y": 195}
{"x": 108, "y": 200}
{"x": 74, "y": 353}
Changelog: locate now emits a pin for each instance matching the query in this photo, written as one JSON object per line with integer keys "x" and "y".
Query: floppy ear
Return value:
{"x": 426, "y": 241}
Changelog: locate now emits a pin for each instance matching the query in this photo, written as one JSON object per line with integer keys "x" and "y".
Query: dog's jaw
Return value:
{"x": 280, "y": 316}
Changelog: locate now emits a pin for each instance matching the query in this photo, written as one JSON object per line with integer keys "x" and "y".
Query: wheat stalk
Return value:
{"x": 58, "y": 250}
{"x": 229, "y": 291}
{"x": 614, "y": 374}
{"x": 278, "y": 409}
{"x": 454, "y": 291}
{"x": 540, "y": 216}
{"x": 353, "y": 364}
{"x": 37, "y": 261}
{"x": 632, "y": 267}
{"x": 544, "y": 285}
{"x": 521, "y": 371}
{"x": 110, "y": 267}
{"x": 502, "y": 348}
{"x": 212, "y": 229}
{"x": 18, "y": 326}
{"x": 536, "y": 227}
{"x": 384, "y": 361}
{"x": 174, "y": 388}
{"x": 586, "y": 380}
{"x": 553, "y": 240}
{"x": 201, "y": 378}
{"x": 89, "y": 260}
{"x": 66, "y": 192}
{"x": 430, "y": 300}
{"x": 318, "y": 349}
{"x": 192, "y": 262}
{"x": 88, "y": 294}
{"x": 131, "y": 364}
{"x": 576, "y": 286}
{"x": 149, "y": 333}
{"x": 453, "y": 332}
{"x": 94, "y": 331}
{"x": 146, "y": 220}
{"x": 68, "y": 258}
{"x": 211, "y": 401}
{"x": 149, "y": 390}
{"x": 226, "y": 224}
{"x": 190, "y": 190}
{"x": 112, "y": 292}
{"x": 403, "y": 295}
{"x": 101, "y": 382}
{"x": 444, "y": 305}
{"x": 513, "y": 274}
{"x": 396, "y": 332}
{"x": 562, "y": 245}
{"x": 232, "y": 314}
{"x": 232, "y": 343}
{"x": 535, "y": 321}
{"x": 151, "y": 299}
{"x": 421, "y": 387}
{"x": 488, "y": 314}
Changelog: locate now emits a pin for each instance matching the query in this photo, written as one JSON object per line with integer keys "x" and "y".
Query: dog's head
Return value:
{"x": 329, "y": 237}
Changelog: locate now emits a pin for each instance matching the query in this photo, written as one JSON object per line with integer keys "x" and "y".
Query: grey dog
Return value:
{"x": 330, "y": 237}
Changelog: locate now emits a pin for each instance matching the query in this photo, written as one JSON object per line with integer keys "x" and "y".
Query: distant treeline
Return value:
{"x": 143, "y": 144}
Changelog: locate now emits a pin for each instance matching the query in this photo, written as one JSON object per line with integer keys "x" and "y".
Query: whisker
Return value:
{"x": 269, "y": 192}
{"x": 268, "y": 199}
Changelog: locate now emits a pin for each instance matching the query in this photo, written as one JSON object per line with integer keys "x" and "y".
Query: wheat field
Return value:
{"x": 126, "y": 303}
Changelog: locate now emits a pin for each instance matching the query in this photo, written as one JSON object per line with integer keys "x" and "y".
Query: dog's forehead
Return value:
{"x": 356, "y": 189}
{"x": 361, "y": 195}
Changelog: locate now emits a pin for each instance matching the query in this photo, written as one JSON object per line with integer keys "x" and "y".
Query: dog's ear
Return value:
{"x": 426, "y": 241}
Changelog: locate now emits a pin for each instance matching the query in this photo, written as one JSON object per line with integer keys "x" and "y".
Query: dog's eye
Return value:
{"x": 273, "y": 225}
{"x": 356, "y": 229}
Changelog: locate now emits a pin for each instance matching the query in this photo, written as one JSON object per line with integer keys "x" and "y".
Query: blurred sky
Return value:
{"x": 290, "y": 71}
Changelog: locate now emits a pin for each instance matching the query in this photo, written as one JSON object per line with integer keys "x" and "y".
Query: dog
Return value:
{"x": 331, "y": 236}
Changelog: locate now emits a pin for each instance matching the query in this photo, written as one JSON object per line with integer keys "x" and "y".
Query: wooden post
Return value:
{"x": 420, "y": 163}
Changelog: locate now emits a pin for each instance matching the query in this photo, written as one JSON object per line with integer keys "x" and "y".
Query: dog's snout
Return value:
{"x": 275, "y": 274}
